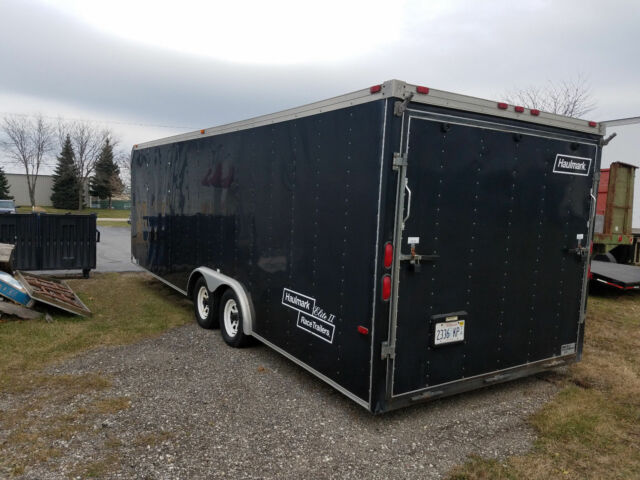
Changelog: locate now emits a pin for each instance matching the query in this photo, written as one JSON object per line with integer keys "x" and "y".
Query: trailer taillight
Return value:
{"x": 388, "y": 255}
{"x": 535, "y": 112}
{"x": 593, "y": 124}
{"x": 386, "y": 287}
{"x": 422, "y": 90}
{"x": 363, "y": 330}
{"x": 502, "y": 106}
{"x": 518, "y": 109}
{"x": 375, "y": 88}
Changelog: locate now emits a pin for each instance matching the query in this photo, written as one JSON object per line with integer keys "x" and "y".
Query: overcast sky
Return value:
{"x": 149, "y": 69}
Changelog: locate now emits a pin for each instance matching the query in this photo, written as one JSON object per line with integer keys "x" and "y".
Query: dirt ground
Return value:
{"x": 184, "y": 405}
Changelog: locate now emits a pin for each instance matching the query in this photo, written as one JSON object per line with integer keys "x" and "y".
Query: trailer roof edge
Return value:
{"x": 392, "y": 89}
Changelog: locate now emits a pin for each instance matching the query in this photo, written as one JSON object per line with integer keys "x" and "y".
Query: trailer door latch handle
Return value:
{"x": 581, "y": 252}
{"x": 406, "y": 187}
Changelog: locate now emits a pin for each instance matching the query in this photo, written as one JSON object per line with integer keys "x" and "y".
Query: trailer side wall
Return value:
{"x": 291, "y": 211}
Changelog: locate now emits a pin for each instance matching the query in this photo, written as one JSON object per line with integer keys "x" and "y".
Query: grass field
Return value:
{"x": 113, "y": 223}
{"x": 127, "y": 308}
{"x": 101, "y": 212}
{"x": 591, "y": 430}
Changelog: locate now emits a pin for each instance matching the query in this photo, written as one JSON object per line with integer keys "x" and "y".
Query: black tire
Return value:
{"x": 230, "y": 315}
{"x": 204, "y": 305}
{"x": 605, "y": 257}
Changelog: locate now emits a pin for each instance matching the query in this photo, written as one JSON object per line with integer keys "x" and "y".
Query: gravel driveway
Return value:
{"x": 200, "y": 409}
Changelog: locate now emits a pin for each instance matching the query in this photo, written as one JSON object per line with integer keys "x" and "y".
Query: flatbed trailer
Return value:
{"x": 399, "y": 242}
{"x": 617, "y": 275}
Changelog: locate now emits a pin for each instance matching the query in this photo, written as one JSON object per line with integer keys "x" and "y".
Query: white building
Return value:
{"x": 44, "y": 185}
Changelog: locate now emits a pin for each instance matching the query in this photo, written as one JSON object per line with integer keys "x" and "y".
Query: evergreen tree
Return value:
{"x": 106, "y": 182}
{"x": 4, "y": 186}
{"x": 66, "y": 183}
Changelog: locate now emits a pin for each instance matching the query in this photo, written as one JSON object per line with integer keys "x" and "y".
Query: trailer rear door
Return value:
{"x": 500, "y": 215}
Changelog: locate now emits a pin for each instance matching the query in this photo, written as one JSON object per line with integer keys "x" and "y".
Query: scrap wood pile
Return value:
{"x": 20, "y": 292}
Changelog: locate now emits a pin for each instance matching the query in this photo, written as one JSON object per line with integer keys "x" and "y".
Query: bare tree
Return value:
{"x": 572, "y": 98}
{"x": 87, "y": 141}
{"x": 27, "y": 141}
{"x": 123, "y": 160}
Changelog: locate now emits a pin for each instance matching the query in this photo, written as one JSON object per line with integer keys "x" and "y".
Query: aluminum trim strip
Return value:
{"x": 376, "y": 259}
{"x": 390, "y": 89}
{"x": 184, "y": 292}
{"x": 565, "y": 359}
{"x": 501, "y": 127}
{"x": 326, "y": 379}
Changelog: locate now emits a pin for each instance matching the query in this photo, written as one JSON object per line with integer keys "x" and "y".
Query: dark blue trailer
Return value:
{"x": 399, "y": 242}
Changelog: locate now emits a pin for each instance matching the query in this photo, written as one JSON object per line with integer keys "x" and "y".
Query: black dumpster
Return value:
{"x": 51, "y": 242}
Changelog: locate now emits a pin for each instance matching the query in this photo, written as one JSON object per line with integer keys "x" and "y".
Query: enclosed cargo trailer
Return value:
{"x": 399, "y": 242}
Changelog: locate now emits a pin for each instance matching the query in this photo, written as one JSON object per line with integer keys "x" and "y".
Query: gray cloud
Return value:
{"x": 476, "y": 48}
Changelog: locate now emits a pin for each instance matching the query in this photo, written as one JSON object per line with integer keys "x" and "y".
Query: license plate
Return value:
{"x": 449, "y": 332}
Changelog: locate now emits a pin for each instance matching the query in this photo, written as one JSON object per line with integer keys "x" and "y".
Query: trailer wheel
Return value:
{"x": 605, "y": 257}
{"x": 203, "y": 305}
{"x": 231, "y": 320}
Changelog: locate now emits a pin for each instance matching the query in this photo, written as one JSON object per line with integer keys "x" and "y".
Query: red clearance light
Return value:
{"x": 535, "y": 112}
{"x": 423, "y": 90}
{"x": 375, "y": 88}
{"x": 593, "y": 124}
{"x": 620, "y": 238}
{"x": 519, "y": 109}
{"x": 386, "y": 287}
{"x": 388, "y": 255}
{"x": 502, "y": 106}
{"x": 363, "y": 330}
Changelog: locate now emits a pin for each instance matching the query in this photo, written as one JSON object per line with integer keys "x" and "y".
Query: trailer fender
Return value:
{"x": 216, "y": 280}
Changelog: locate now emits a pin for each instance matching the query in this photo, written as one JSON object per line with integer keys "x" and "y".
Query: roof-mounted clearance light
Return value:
{"x": 375, "y": 88}
{"x": 518, "y": 109}
{"x": 502, "y": 106}
{"x": 593, "y": 124}
{"x": 202, "y": 131}
{"x": 422, "y": 90}
{"x": 535, "y": 112}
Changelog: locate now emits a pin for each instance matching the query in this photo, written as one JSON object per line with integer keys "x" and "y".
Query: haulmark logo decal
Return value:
{"x": 572, "y": 165}
{"x": 311, "y": 318}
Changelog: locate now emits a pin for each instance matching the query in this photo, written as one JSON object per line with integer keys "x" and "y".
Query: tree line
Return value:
{"x": 86, "y": 157}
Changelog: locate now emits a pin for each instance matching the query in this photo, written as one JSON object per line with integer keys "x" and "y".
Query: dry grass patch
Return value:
{"x": 591, "y": 430}
{"x": 153, "y": 439}
{"x": 127, "y": 308}
{"x": 45, "y": 410}
{"x": 113, "y": 223}
{"x": 100, "y": 212}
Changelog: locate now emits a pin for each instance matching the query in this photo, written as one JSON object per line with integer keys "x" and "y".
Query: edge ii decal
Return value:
{"x": 311, "y": 318}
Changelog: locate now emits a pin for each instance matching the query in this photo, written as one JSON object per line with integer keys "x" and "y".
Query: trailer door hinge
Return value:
{"x": 401, "y": 105}
{"x": 388, "y": 351}
{"x": 399, "y": 160}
